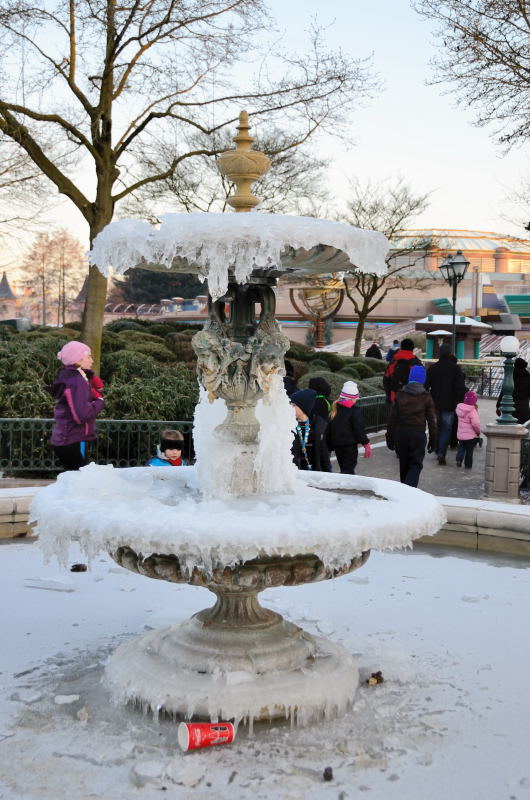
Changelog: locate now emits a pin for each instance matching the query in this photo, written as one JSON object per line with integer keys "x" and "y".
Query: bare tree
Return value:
{"x": 20, "y": 188}
{"x": 389, "y": 208}
{"x": 102, "y": 78}
{"x": 485, "y": 54}
{"x": 53, "y": 266}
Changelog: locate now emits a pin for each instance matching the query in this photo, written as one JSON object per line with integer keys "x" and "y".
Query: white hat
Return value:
{"x": 350, "y": 389}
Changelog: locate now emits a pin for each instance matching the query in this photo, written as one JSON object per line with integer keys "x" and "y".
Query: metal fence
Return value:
{"x": 375, "y": 412}
{"x": 24, "y": 443}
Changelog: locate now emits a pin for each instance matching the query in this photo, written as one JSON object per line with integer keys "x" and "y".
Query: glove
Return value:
{"x": 96, "y": 385}
{"x": 430, "y": 446}
{"x": 367, "y": 450}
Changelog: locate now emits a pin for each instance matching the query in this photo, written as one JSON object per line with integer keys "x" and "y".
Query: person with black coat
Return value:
{"x": 374, "y": 352}
{"x": 521, "y": 391}
{"x": 346, "y": 429}
{"x": 322, "y": 408}
{"x": 308, "y": 443}
{"x": 446, "y": 382}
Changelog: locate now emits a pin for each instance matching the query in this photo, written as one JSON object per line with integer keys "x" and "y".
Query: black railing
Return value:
{"x": 24, "y": 443}
{"x": 525, "y": 463}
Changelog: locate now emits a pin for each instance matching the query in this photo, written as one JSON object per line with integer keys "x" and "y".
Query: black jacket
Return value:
{"x": 446, "y": 382}
{"x": 374, "y": 352}
{"x": 315, "y": 448}
{"x": 346, "y": 429}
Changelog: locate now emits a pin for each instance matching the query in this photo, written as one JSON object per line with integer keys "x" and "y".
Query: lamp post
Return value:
{"x": 453, "y": 270}
{"x": 509, "y": 348}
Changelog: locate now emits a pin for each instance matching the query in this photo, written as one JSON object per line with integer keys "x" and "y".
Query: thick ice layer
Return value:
{"x": 213, "y": 244}
{"x": 277, "y": 422}
{"x": 324, "y": 687}
{"x": 161, "y": 511}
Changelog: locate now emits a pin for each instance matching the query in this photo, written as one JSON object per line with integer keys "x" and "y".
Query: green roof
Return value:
{"x": 443, "y": 305}
{"x": 518, "y": 304}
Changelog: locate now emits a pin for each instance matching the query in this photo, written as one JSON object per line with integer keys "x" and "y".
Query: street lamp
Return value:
{"x": 509, "y": 348}
{"x": 453, "y": 270}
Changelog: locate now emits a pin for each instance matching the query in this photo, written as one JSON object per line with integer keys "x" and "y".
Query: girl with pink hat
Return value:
{"x": 346, "y": 429}
{"x": 78, "y": 400}
{"x": 468, "y": 429}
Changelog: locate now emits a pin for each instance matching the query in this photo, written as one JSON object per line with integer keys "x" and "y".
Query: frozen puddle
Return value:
{"x": 447, "y": 633}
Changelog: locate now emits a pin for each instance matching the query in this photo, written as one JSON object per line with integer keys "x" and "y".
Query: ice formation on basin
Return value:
{"x": 243, "y": 519}
{"x": 214, "y": 244}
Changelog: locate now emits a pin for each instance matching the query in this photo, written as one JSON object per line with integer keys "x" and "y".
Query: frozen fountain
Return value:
{"x": 244, "y": 519}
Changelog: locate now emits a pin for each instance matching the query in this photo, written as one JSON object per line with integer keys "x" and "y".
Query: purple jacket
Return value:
{"x": 75, "y": 408}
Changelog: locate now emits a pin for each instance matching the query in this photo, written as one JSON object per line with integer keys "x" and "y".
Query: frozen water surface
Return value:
{"x": 450, "y": 720}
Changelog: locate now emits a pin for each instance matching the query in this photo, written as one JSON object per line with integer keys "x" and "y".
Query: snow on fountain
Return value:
{"x": 243, "y": 519}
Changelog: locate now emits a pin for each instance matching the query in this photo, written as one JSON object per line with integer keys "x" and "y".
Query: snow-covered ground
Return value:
{"x": 451, "y": 720}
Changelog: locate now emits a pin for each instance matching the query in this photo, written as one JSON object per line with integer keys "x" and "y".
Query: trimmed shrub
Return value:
{"x": 317, "y": 364}
{"x": 155, "y": 350}
{"x": 125, "y": 365}
{"x": 335, "y": 380}
{"x": 334, "y": 361}
{"x": 170, "y": 396}
{"x": 363, "y": 370}
{"x": 349, "y": 372}
{"x": 374, "y": 363}
{"x": 111, "y": 342}
{"x": 160, "y": 329}
{"x": 300, "y": 352}
{"x": 74, "y": 325}
{"x": 180, "y": 346}
{"x": 124, "y": 324}
{"x": 131, "y": 337}
{"x": 25, "y": 398}
{"x": 299, "y": 367}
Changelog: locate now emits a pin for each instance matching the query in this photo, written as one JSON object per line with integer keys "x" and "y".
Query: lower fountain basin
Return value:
{"x": 235, "y": 660}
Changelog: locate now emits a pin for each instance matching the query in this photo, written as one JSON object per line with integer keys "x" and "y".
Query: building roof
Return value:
{"x": 461, "y": 239}
{"x": 6, "y": 293}
{"x": 447, "y": 319}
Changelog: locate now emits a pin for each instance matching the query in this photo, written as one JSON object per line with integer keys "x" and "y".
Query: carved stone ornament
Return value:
{"x": 236, "y": 358}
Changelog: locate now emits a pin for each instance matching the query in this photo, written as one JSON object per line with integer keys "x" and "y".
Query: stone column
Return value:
{"x": 503, "y": 461}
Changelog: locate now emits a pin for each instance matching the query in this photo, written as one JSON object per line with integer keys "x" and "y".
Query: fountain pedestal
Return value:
{"x": 235, "y": 658}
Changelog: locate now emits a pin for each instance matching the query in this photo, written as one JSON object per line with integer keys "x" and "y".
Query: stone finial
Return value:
{"x": 243, "y": 167}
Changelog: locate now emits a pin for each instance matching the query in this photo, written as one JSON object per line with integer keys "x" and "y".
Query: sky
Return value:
{"x": 409, "y": 129}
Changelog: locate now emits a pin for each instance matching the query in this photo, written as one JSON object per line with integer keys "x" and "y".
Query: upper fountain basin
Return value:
{"x": 216, "y": 245}
{"x": 161, "y": 510}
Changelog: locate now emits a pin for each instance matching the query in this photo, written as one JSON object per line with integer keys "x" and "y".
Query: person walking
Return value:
{"x": 521, "y": 391}
{"x": 374, "y": 352}
{"x": 307, "y": 447}
{"x": 397, "y": 373}
{"x": 78, "y": 400}
{"x": 392, "y": 350}
{"x": 446, "y": 382}
{"x": 289, "y": 382}
{"x": 346, "y": 429}
{"x": 412, "y": 411}
{"x": 322, "y": 408}
{"x": 468, "y": 429}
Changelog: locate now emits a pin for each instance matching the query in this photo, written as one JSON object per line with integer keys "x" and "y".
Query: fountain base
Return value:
{"x": 151, "y": 670}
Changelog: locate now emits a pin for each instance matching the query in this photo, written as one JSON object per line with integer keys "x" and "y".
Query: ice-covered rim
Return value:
{"x": 158, "y": 510}
{"x": 214, "y": 245}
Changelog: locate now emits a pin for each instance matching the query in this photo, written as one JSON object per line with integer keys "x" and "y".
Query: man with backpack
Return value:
{"x": 397, "y": 373}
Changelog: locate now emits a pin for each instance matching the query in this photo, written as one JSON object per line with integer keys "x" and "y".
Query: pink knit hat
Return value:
{"x": 73, "y": 353}
{"x": 470, "y": 399}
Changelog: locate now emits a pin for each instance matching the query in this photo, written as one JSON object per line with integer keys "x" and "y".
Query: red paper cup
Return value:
{"x": 193, "y": 735}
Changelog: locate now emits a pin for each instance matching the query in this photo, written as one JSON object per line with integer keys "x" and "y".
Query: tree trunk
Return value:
{"x": 361, "y": 320}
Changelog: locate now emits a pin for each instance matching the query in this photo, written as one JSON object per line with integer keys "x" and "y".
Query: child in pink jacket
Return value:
{"x": 468, "y": 429}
